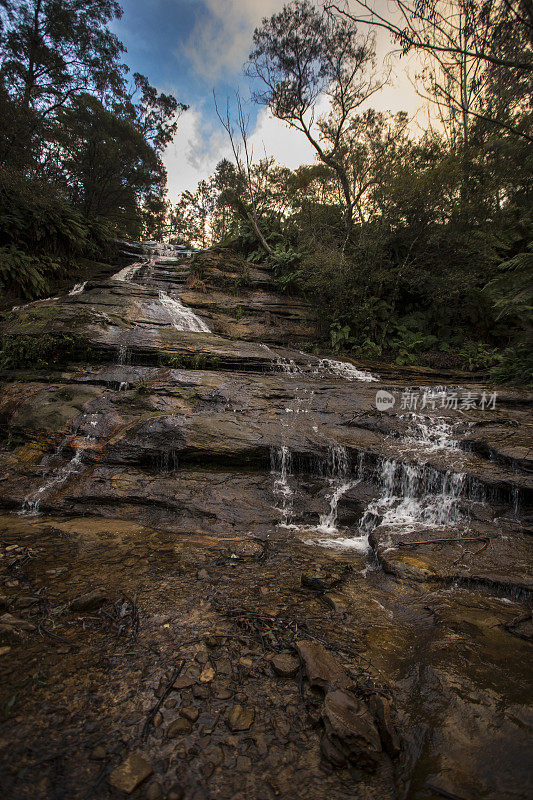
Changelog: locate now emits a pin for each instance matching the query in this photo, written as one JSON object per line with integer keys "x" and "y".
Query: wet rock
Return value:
{"x": 170, "y": 703}
{"x": 131, "y": 773}
{"x": 184, "y": 682}
{"x": 25, "y": 602}
{"x": 244, "y": 764}
{"x": 207, "y": 674}
{"x": 4, "y": 602}
{"x": 98, "y": 753}
{"x": 157, "y": 720}
{"x": 179, "y": 727}
{"x": 382, "y": 712}
{"x": 240, "y": 719}
{"x": 10, "y": 622}
{"x": 190, "y": 713}
{"x": 350, "y": 727}
{"x": 247, "y": 550}
{"x": 202, "y": 657}
{"x": 246, "y": 662}
{"x": 4, "y": 650}
{"x": 285, "y": 665}
{"x": 89, "y": 601}
{"x": 323, "y": 670}
{"x": 175, "y": 793}
{"x": 201, "y": 692}
{"x": 332, "y": 753}
{"x": 154, "y": 791}
{"x": 202, "y": 575}
{"x": 316, "y": 583}
{"x": 336, "y": 601}
{"x": 224, "y": 694}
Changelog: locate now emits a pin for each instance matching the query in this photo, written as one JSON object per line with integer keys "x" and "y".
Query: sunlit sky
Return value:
{"x": 191, "y": 48}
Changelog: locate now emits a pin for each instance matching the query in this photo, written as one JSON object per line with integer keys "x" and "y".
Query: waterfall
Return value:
{"x": 281, "y": 464}
{"x": 123, "y": 355}
{"x": 182, "y": 318}
{"x": 31, "y": 503}
{"x": 127, "y": 273}
{"x": 30, "y": 506}
{"x": 430, "y": 433}
{"x": 412, "y": 495}
{"x": 338, "y": 467}
{"x": 343, "y": 369}
{"x": 288, "y": 366}
{"x": 78, "y": 288}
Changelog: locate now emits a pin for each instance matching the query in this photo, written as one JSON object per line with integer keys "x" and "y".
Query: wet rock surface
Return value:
{"x": 234, "y": 577}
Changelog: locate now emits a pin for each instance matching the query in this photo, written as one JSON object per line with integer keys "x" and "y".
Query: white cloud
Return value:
{"x": 274, "y": 138}
{"x": 221, "y": 38}
{"x": 194, "y": 153}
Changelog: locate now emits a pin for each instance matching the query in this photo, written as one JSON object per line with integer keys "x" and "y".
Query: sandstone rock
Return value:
{"x": 89, "y": 601}
{"x": 183, "y": 682}
{"x": 240, "y": 719}
{"x": 388, "y": 731}
{"x": 285, "y": 665}
{"x": 207, "y": 674}
{"x": 323, "y": 670}
{"x": 179, "y": 727}
{"x": 190, "y": 712}
{"x": 336, "y": 601}
{"x": 131, "y": 773}
{"x": 15, "y": 623}
{"x": 154, "y": 791}
{"x": 350, "y": 727}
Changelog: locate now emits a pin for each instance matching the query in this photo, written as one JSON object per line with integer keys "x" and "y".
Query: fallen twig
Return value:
{"x": 162, "y": 699}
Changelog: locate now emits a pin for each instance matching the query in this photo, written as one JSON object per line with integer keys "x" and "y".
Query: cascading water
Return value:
{"x": 78, "y": 288}
{"x": 127, "y": 273}
{"x": 343, "y": 369}
{"x": 182, "y": 318}
{"x": 30, "y": 506}
{"x": 340, "y": 482}
{"x": 31, "y": 503}
{"x": 414, "y": 495}
{"x": 430, "y": 433}
{"x": 281, "y": 463}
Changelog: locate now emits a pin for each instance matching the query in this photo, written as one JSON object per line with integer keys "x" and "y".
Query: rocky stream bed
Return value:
{"x": 226, "y": 573}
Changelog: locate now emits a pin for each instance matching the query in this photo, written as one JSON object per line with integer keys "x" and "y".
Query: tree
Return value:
{"x": 469, "y": 44}
{"x": 301, "y": 56}
{"x": 53, "y": 50}
{"x": 243, "y": 154}
{"x": 107, "y": 166}
{"x": 154, "y": 115}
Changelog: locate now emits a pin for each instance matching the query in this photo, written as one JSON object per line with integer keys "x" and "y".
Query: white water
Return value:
{"x": 127, "y": 273}
{"x": 78, "y": 288}
{"x": 31, "y": 503}
{"x": 182, "y": 318}
{"x": 281, "y": 463}
{"x": 430, "y": 433}
{"x": 414, "y": 495}
{"x": 30, "y": 506}
{"x": 343, "y": 369}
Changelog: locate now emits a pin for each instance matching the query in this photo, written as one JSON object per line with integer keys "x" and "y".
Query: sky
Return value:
{"x": 192, "y": 48}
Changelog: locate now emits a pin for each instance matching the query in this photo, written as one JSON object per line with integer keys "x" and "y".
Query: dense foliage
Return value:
{"x": 80, "y": 143}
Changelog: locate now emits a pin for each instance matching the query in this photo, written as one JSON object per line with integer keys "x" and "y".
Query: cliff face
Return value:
{"x": 231, "y": 497}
